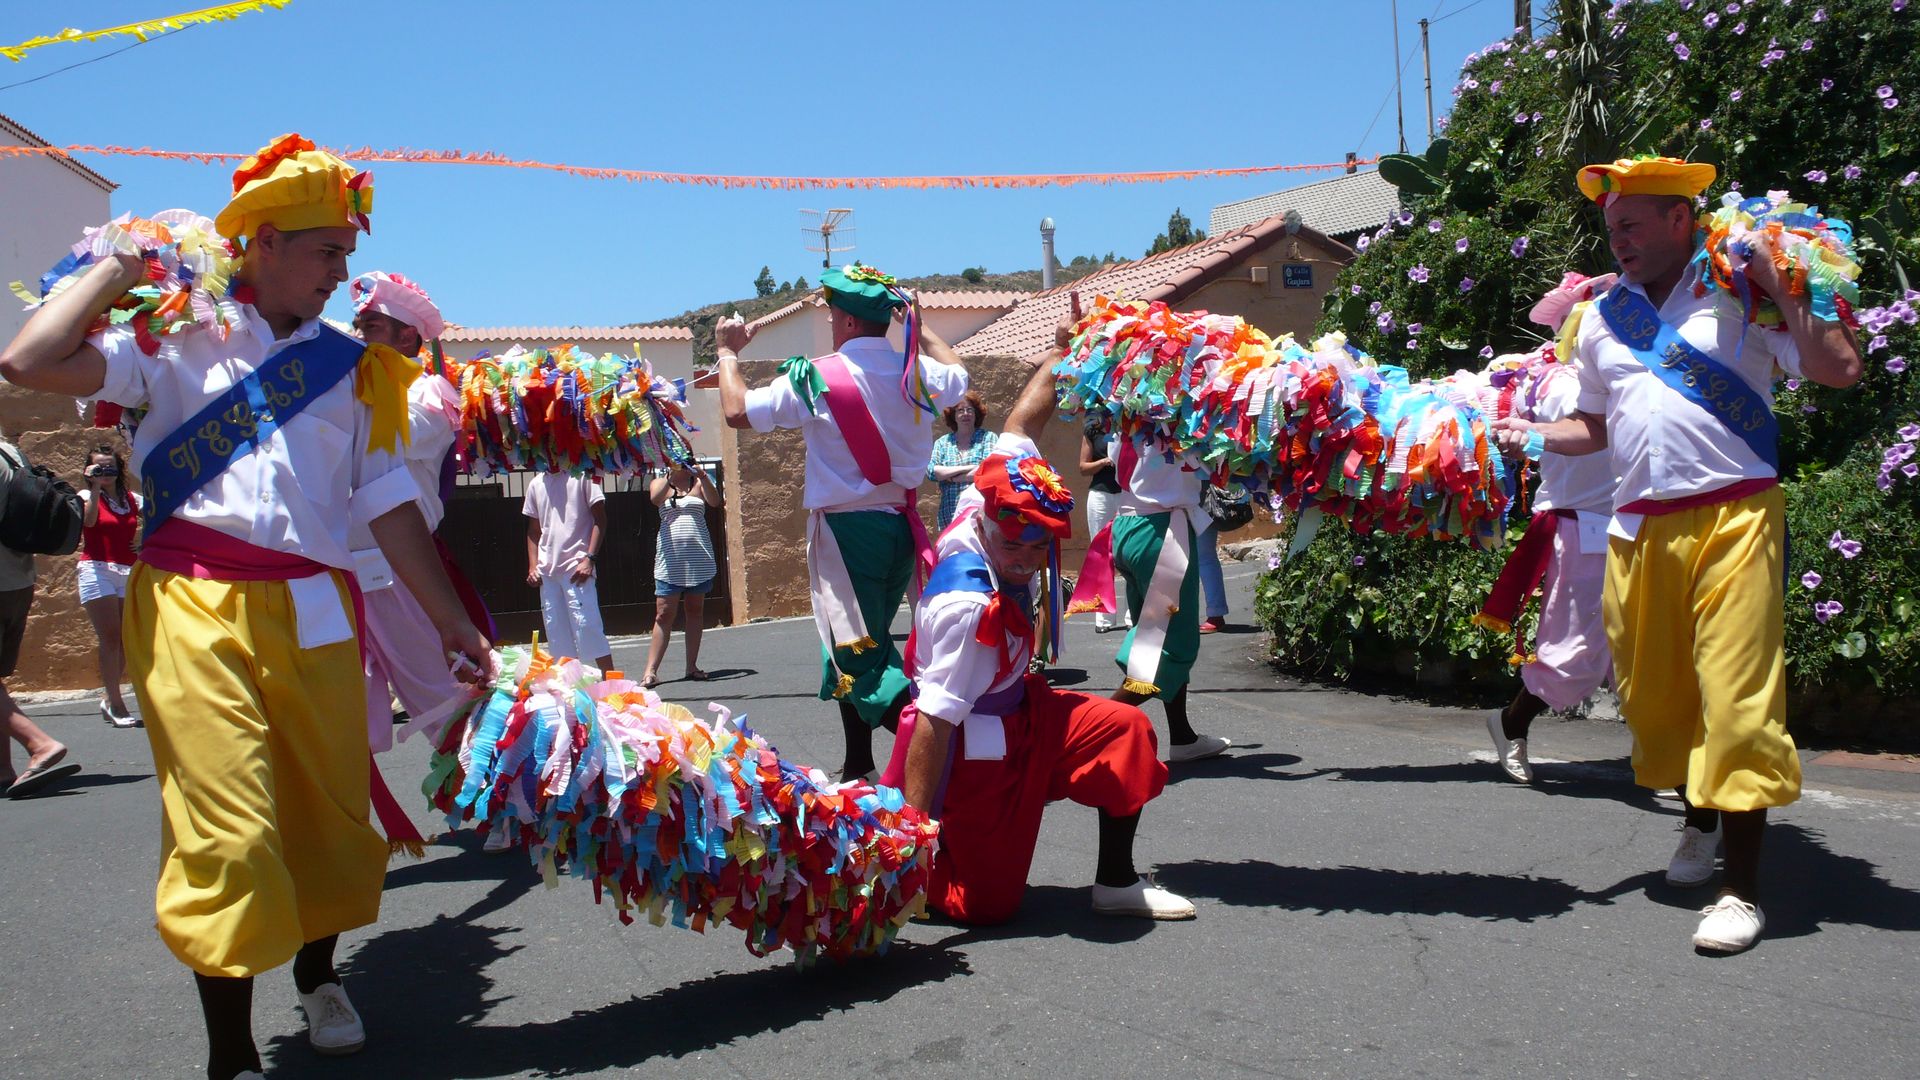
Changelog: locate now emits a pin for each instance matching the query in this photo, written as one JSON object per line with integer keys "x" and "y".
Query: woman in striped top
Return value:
{"x": 683, "y": 564}
{"x": 957, "y": 454}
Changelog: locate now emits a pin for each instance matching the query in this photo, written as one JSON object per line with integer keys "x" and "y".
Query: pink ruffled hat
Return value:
{"x": 395, "y": 296}
{"x": 1574, "y": 288}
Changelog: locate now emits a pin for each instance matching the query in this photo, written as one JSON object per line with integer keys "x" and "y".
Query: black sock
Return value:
{"x": 1115, "y": 869}
{"x": 1703, "y": 818}
{"x": 313, "y": 965}
{"x": 859, "y": 758}
{"x": 1179, "y": 731}
{"x": 1742, "y": 845}
{"x": 1517, "y": 718}
{"x": 227, "y": 1006}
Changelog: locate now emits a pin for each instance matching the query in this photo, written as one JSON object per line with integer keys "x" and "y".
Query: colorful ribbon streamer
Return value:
{"x": 488, "y": 158}
{"x": 146, "y": 27}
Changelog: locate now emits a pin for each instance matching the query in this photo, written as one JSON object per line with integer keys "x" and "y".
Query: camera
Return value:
{"x": 102, "y": 470}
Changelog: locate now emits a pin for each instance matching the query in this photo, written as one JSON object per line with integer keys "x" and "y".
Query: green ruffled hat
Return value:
{"x": 862, "y": 291}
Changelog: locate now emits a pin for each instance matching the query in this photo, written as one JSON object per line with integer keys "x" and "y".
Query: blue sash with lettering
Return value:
{"x": 1691, "y": 373}
{"x": 246, "y": 415}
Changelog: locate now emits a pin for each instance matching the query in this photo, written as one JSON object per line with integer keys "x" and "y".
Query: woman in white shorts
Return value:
{"x": 108, "y": 530}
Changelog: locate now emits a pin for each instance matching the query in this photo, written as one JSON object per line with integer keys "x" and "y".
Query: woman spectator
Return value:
{"x": 958, "y": 454}
{"x": 1104, "y": 497}
{"x": 683, "y": 565}
{"x": 109, "y": 525}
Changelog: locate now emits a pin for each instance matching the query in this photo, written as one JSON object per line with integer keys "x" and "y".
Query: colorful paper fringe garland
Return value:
{"x": 566, "y": 410}
{"x": 1321, "y": 428}
{"x": 697, "y": 823}
{"x": 1816, "y": 254}
{"x": 190, "y": 270}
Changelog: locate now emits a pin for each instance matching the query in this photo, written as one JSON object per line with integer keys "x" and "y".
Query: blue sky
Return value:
{"x": 759, "y": 88}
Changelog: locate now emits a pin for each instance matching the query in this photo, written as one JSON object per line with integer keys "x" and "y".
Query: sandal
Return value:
{"x": 697, "y": 675}
{"x": 39, "y": 776}
{"x": 649, "y": 682}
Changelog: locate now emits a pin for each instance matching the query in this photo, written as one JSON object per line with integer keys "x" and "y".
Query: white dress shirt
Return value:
{"x": 833, "y": 478}
{"x": 302, "y": 490}
{"x": 1664, "y": 446}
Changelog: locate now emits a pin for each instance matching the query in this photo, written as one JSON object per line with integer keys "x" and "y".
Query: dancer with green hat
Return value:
{"x": 866, "y": 412}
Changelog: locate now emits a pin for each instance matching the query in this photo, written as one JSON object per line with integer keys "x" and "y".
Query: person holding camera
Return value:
{"x": 109, "y": 525}
{"x": 683, "y": 563}
{"x": 44, "y": 752}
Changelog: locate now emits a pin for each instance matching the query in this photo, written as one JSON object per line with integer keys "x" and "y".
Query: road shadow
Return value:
{"x": 1805, "y": 885}
{"x": 425, "y": 995}
{"x": 1050, "y": 911}
{"x": 717, "y": 675}
{"x": 79, "y": 783}
{"x": 1610, "y": 779}
{"x": 1066, "y": 676}
{"x": 1382, "y": 891}
{"x": 1242, "y": 762}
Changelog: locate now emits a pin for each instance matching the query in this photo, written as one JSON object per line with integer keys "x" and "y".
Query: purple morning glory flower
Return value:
{"x": 1374, "y": 308}
{"x": 1363, "y": 243}
{"x": 1827, "y": 609}
{"x": 1706, "y": 125}
{"x": 1419, "y": 274}
{"x": 1520, "y": 245}
{"x": 1910, "y": 470}
{"x": 1736, "y": 95}
{"x": 1405, "y": 218}
{"x": 1435, "y": 225}
{"x": 1740, "y": 27}
{"x": 1817, "y": 176}
{"x": 1826, "y": 85}
{"x": 1682, "y": 51}
{"x": 1910, "y": 432}
{"x": 1461, "y": 245}
{"x": 1810, "y": 579}
{"x": 1897, "y": 365}
{"x": 1414, "y": 329}
{"x": 1412, "y": 344}
{"x": 1273, "y": 561}
{"x": 1354, "y": 289}
{"x": 1807, "y": 45}
{"x": 1385, "y": 323}
{"x": 1819, "y": 14}
{"x": 1883, "y": 92}
{"x": 1879, "y": 342}
{"x": 1466, "y": 284}
{"x": 1848, "y": 549}
{"x": 1712, "y": 20}
{"x": 1486, "y": 352}
{"x": 1793, "y": 384}
{"x": 1891, "y": 103}
{"x": 1359, "y": 560}
{"x": 1852, "y": 172}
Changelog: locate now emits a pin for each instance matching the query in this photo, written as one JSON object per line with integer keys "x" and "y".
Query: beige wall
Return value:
{"x": 806, "y": 333}
{"x": 1272, "y": 306}
{"x": 670, "y": 359}
{"x": 44, "y": 206}
{"x": 766, "y": 525}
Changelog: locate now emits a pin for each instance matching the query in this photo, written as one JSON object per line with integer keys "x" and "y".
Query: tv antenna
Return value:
{"x": 824, "y": 227}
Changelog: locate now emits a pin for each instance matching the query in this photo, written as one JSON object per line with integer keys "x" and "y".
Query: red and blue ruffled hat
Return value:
{"x": 1025, "y": 497}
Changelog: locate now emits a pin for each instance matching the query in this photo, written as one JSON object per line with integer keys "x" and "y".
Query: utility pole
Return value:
{"x": 1426, "y": 61}
{"x": 1399, "y": 106}
{"x": 1523, "y": 18}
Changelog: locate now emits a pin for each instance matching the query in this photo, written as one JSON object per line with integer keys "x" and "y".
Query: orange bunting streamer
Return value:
{"x": 367, "y": 155}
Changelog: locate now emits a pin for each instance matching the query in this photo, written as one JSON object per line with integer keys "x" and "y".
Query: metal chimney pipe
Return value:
{"x": 1046, "y": 253}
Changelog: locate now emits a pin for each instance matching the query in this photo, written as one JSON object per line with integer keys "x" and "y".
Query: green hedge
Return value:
{"x": 1502, "y": 175}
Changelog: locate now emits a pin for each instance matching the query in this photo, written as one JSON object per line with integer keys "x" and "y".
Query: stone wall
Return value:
{"x": 766, "y": 524}
{"x": 60, "y": 650}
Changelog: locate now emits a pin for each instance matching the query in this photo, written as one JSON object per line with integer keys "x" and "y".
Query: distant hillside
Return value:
{"x": 701, "y": 320}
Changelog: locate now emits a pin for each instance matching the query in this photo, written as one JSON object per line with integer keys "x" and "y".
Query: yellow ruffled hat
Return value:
{"x": 290, "y": 185}
{"x": 1645, "y": 176}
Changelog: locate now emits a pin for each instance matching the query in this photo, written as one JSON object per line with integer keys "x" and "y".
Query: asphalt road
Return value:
{"x": 1373, "y": 901}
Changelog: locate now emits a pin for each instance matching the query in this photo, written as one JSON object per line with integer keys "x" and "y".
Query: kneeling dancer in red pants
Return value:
{"x": 986, "y": 746}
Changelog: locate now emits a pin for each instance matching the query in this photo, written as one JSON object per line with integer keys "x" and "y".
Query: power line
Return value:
{"x": 1468, "y": 7}
{"x": 97, "y": 59}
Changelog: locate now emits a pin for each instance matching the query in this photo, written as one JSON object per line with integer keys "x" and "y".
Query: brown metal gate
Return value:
{"x": 488, "y": 537}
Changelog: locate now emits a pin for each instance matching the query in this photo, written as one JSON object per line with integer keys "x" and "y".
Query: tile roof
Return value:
{"x": 1168, "y": 276}
{"x": 930, "y": 300}
{"x": 1344, "y": 204}
{"x": 556, "y": 335}
{"x": 13, "y": 127}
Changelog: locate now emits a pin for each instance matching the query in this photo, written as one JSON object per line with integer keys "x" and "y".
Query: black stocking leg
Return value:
{"x": 227, "y": 1005}
{"x": 313, "y": 965}
{"x": 1700, "y": 817}
{"x": 1518, "y": 716}
{"x": 1179, "y": 731}
{"x": 859, "y": 758}
{"x": 1116, "y": 851}
{"x": 1744, "y": 832}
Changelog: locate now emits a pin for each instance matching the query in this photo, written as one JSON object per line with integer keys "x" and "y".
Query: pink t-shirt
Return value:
{"x": 563, "y": 505}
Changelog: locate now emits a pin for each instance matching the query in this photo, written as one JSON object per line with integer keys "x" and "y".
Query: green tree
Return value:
{"x": 800, "y": 283}
{"x": 763, "y": 285}
{"x": 1180, "y": 232}
{"x": 974, "y": 275}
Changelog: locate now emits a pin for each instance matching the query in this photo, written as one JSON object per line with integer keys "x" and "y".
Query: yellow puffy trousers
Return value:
{"x": 260, "y": 747}
{"x": 1694, "y": 615}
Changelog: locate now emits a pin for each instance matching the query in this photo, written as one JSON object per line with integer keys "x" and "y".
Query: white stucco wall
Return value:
{"x": 44, "y": 205}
